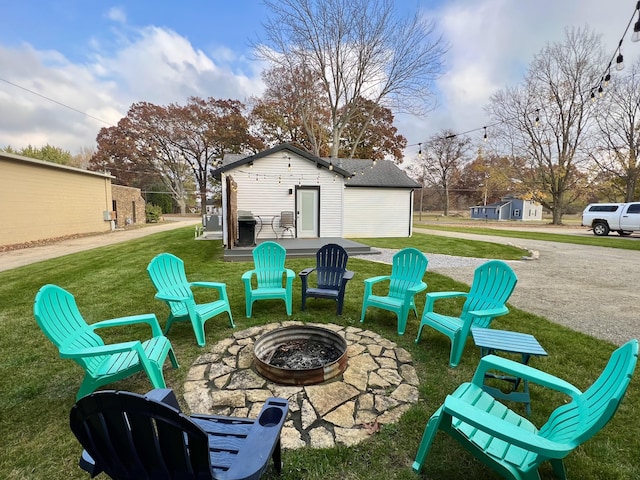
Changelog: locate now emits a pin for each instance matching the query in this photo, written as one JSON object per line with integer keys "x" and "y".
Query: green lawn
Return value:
{"x": 37, "y": 388}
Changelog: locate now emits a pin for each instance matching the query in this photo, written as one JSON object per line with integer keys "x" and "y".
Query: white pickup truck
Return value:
{"x": 602, "y": 218}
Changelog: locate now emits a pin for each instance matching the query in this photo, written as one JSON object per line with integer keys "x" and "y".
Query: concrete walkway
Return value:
{"x": 26, "y": 256}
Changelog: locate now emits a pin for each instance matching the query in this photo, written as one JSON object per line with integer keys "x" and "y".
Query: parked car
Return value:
{"x": 602, "y": 218}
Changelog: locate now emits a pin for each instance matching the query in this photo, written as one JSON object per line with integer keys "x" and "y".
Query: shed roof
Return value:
{"x": 42, "y": 163}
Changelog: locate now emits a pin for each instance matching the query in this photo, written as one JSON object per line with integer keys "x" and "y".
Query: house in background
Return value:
{"x": 509, "y": 208}
{"x": 328, "y": 197}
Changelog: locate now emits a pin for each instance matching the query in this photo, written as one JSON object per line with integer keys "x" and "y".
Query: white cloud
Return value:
{"x": 117, "y": 15}
{"x": 153, "y": 64}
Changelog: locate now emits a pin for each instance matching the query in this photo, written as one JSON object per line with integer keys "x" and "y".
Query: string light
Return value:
{"x": 537, "y": 120}
{"x": 635, "y": 36}
{"x": 485, "y": 134}
{"x": 619, "y": 61}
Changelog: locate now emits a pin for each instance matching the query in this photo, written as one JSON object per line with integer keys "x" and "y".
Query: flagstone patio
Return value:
{"x": 379, "y": 385}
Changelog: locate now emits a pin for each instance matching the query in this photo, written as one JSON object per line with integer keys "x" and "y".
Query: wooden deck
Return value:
{"x": 296, "y": 247}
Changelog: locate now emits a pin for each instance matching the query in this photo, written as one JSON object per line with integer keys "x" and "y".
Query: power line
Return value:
{"x": 57, "y": 102}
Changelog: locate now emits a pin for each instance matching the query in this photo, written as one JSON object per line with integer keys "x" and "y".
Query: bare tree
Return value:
{"x": 292, "y": 109}
{"x": 359, "y": 49}
{"x": 545, "y": 120}
{"x": 616, "y": 149}
{"x": 441, "y": 161}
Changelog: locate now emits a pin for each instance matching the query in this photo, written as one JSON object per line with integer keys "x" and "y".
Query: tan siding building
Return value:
{"x": 43, "y": 200}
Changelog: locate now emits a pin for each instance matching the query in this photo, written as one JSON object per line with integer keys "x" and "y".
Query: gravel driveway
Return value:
{"x": 594, "y": 290}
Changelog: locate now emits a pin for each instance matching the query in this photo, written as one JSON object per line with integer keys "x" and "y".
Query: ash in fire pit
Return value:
{"x": 300, "y": 355}
{"x": 303, "y": 354}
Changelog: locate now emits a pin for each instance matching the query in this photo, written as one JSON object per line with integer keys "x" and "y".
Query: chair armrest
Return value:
{"x": 431, "y": 297}
{"x": 417, "y": 288}
{"x": 216, "y": 285}
{"x": 348, "y": 275}
{"x": 373, "y": 280}
{"x": 525, "y": 372}
{"x": 246, "y": 276}
{"x": 504, "y": 430}
{"x": 148, "y": 318}
{"x": 164, "y": 395}
{"x": 169, "y": 297}
{"x": 306, "y": 271}
{"x": 290, "y": 273}
{"x": 489, "y": 312}
{"x": 101, "y": 350}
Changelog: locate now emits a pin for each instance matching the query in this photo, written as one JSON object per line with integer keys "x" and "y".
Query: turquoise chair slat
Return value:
{"x": 407, "y": 272}
{"x": 58, "y": 316}
{"x": 168, "y": 276}
{"x": 512, "y": 445}
{"x": 269, "y": 279}
{"x": 493, "y": 284}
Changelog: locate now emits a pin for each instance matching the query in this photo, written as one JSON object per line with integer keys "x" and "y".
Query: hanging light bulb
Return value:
{"x": 330, "y": 166}
{"x": 593, "y": 96}
{"x": 537, "y": 121}
{"x": 289, "y": 166}
{"x": 635, "y": 36}
{"x": 419, "y": 151}
{"x": 607, "y": 78}
{"x": 619, "y": 61}
{"x": 600, "y": 91}
{"x": 485, "y": 134}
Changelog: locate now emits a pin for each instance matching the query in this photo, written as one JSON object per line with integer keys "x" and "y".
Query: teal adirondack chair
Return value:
{"x": 407, "y": 271}
{"x": 58, "y": 316}
{"x": 509, "y": 443}
{"x": 269, "y": 279}
{"x": 168, "y": 276}
{"x": 493, "y": 283}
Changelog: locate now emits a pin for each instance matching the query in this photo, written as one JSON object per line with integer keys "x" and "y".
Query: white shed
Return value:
{"x": 329, "y": 197}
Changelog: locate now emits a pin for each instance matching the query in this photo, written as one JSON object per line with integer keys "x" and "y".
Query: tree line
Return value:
{"x": 567, "y": 135}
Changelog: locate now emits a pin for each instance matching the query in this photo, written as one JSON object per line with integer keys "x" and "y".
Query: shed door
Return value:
{"x": 308, "y": 212}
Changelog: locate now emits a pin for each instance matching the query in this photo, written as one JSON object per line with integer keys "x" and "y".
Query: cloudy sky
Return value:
{"x": 71, "y": 67}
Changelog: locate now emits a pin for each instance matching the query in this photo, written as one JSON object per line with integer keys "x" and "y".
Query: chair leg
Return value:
{"x": 364, "y": 310}
{"x": 429, "y": 434}
{"x": 277, "y": 457}
{"x": 249, "y": 306}
{"x": 558, "y": 469}
{"x": 198, "y": 329}
{"x": 173, "y": 359}
{"x": 288, "y": 304}
{"x": 231, "y": 324}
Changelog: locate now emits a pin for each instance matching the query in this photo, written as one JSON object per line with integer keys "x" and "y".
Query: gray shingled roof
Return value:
{"x": 382, "y": 173}
{"x": 357, "y": 173}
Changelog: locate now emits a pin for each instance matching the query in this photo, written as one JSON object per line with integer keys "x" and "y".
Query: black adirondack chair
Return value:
{"x": 331, "y": 274}
{"x": 132, "y": 436}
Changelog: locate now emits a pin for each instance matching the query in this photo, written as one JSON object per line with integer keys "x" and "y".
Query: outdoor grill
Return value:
{"x": 246, "y": 229}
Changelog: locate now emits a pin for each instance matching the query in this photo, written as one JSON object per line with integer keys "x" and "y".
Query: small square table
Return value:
{"x": 492, "y": 341}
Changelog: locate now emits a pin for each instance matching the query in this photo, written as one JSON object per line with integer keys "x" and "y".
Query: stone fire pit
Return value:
{"x": 378, "y": 385}
{"x": 300, "y": 355}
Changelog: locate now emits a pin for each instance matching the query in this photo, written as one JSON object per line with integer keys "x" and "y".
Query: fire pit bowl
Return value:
{"x": 300, "y": 355}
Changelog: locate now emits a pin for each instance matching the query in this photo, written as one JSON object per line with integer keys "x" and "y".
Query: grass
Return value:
{"x": 626, "y": 243}
{"x": 37, "y": 388}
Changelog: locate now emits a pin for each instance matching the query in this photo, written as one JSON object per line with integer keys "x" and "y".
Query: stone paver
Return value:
{"x": 378, "y": 386}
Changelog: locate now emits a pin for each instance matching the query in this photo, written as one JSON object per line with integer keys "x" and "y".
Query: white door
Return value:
{"x": 307, "y": 212}
{"x": 630, "y": 218}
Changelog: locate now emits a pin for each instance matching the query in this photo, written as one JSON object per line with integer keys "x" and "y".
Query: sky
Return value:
{"x": 70, "y": 67}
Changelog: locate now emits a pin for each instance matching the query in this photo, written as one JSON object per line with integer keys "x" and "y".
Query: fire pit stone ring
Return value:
{"x": 378, "y": 385}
